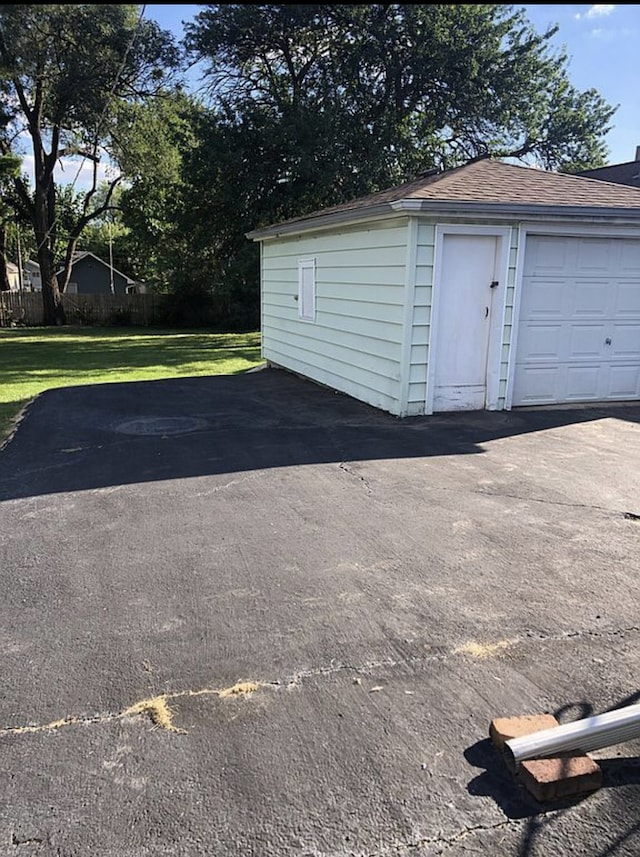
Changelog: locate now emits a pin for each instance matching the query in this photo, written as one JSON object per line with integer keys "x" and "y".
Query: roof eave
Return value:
{"x": 322, "y": 221}
{"x": 450, "y": 208}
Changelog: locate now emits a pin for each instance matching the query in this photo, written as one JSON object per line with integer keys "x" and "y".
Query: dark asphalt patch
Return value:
{"x": 160, "y": 426}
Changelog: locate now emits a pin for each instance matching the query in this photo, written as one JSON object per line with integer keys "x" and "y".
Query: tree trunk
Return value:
{"x": 51, "y": 298}
{"x": 44, "y": 228}
{"x": 5, "y": 285}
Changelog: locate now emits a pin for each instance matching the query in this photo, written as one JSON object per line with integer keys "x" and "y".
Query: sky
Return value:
{"x": 600, "y": 41}
{"x": 602, "y": 44}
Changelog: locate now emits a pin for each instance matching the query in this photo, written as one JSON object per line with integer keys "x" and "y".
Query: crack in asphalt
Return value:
{"x": 156, "y": 709}
{"x": 450, "y": 841}
{"x": 467, "y": 649}
{"x": 400, "y": 848}
{"x": 543, "y": 500}
{"x": 347, "y": 469}
{"x": 32, "y": 840}
{"x": 585, "y": 633}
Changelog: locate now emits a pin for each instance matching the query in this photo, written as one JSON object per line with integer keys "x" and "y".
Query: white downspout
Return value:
{"x": 592, "y": 733}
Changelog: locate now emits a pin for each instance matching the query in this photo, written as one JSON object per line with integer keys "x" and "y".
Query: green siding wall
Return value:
{"x": 355, "y": 343}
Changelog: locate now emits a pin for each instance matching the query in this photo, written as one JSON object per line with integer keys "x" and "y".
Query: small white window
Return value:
{"x": 72, "y": 288}
{"x": 307, "y": 289}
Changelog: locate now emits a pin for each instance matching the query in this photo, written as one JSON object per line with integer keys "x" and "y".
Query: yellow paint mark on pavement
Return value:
{"x": 483, "y": 650}
{"x": 156, "y": 708}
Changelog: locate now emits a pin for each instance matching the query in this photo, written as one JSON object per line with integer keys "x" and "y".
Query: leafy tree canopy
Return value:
{"x": 390, "y": 89}
{"x": 161, "y": 136}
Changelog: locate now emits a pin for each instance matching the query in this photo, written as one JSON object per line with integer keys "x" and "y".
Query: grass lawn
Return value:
{"x": 37, "y": 358}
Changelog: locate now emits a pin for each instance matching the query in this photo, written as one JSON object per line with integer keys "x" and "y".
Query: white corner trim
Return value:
{"x": 411, "y": 259}
{"x": 515, "y": 320}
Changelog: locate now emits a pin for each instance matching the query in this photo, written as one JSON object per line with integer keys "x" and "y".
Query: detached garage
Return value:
{"x": 487, "y": 286}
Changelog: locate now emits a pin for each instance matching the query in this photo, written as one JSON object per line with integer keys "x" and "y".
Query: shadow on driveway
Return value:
{"x": 88, "y": 437}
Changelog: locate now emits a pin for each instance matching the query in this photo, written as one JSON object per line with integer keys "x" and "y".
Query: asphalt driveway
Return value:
{"x": 249, "y": 616}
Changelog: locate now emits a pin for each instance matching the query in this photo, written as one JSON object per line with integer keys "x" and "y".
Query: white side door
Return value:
{"x": 466, "y": 292}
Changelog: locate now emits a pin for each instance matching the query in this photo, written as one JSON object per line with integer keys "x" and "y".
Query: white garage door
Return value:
{"x": 579, "y": 332}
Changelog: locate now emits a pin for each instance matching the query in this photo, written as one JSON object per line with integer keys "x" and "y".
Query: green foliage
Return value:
{"x": 157, "y": 139}
{"x": 9, "y": 170}
{"x": 107, "y": 237}
{"x": 365, "y": 94}
{"x": 91, "y": 56}
{"x": 172, "y": 233}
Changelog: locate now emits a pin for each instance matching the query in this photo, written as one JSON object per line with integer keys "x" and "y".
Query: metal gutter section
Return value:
{"x": 530, "y": 211}
{"x": 592, "y": 733}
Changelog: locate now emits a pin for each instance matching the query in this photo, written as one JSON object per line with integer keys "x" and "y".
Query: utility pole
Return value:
{"x": 113, "y": 290}
{"x": 20, "y": 271}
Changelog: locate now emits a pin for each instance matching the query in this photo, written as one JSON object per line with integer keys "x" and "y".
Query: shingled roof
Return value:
{"x": 491, "y": 182}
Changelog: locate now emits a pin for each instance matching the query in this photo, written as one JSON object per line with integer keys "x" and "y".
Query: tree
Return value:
{"x": 152, "y": 153}
{"x": 389, "y": 89}
{"x": 9, "y": 170}
{"x": 312, "y": 105}
{"x": 67, "y": 71}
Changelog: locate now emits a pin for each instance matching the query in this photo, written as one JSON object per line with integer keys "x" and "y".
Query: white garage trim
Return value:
{"x": 497, "y": 320}
{"x": 409, "y": 308}
{"x": 554, "y": 230}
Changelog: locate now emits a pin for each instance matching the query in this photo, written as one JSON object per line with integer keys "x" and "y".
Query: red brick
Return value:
{"x": 504, "y": 728}
{"x": 560, "y": 777}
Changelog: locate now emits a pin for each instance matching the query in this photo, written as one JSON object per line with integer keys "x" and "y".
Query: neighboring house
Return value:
{"x": 32, "y": 277}
{"x": 13, "y": 275}
{"x": 628, "y": 173}
{"x": 487, "y": 286}
{"x": 90, "y": 275}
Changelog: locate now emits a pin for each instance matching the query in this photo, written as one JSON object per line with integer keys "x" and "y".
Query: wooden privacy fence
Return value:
{"x": 26, "y": 308}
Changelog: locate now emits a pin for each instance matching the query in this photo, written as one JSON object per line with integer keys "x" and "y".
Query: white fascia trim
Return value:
{"x": 604, "y": 230}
